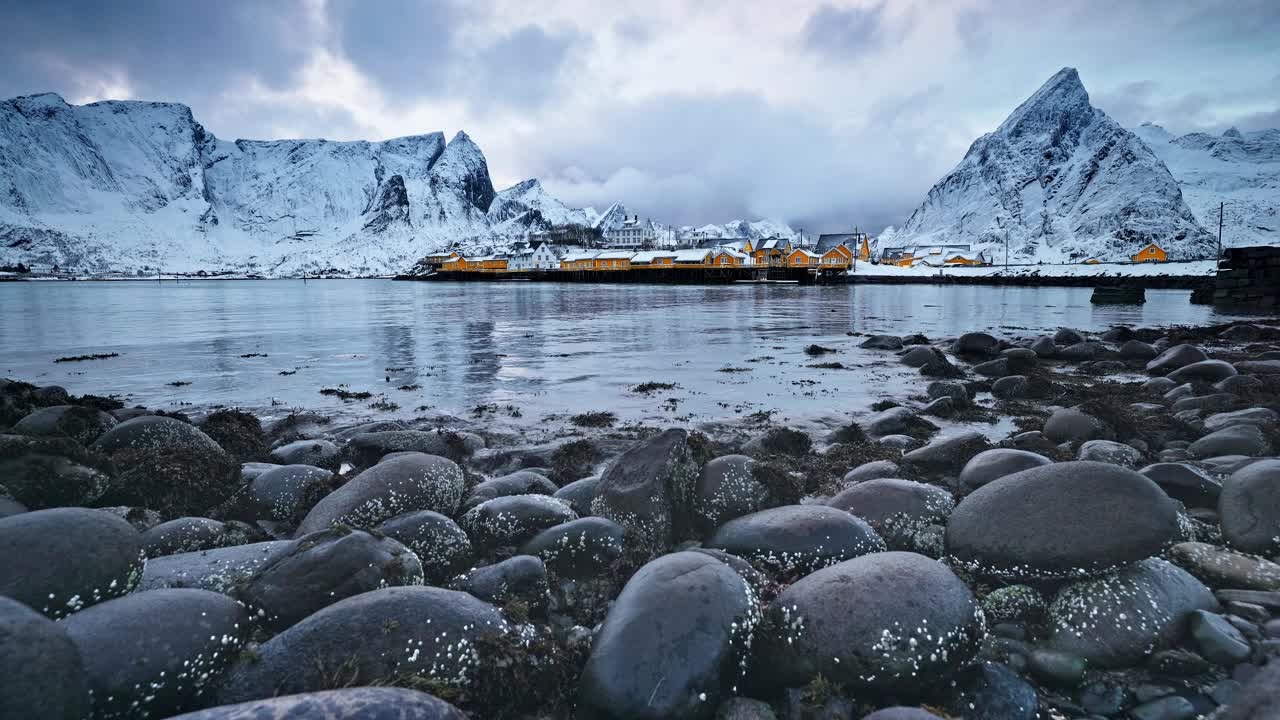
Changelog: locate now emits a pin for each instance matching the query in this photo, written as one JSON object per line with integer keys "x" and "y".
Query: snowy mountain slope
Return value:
{"x": 1064, "y": 182}
{"x": 1241, "y": 170}
{"x": 739, "y": 230}
{"x": 134, "y": 186}
{"x": 529, "y": 197}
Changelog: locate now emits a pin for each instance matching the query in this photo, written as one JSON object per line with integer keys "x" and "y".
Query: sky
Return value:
{"x": 823, "y": 115}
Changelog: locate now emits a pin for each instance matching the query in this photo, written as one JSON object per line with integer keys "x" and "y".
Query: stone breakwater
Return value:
{"x": 1115, "y": 553}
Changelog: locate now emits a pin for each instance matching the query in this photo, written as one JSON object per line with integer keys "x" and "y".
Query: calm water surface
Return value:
{"x": 543, "y": 348}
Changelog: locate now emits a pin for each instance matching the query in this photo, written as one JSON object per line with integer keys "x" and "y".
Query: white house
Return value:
{"x": 540, "y": 255}
{"x": 631, "y": 233}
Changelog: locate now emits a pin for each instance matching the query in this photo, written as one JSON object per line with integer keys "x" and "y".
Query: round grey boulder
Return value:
{"x": 366, "y": 449}
{"x": 579, "y": 549}
{"x": 281, "y": 492}
{"x": 190, "y": 534}
{"x": 168, "y": 465}
{"x": 727, "y": 488}
{"x": 997, "y": 368}
{"x": 1208, "y": 371}
{"x": 958, "y": 393}
{"x": 915, "y": 622}
{"x": 1259, "y": 417}
{"x": 357, "y": 703}
{"x": 1184, "y": 483}
{"x": 975, "y": 343}
{"x": 945, "y": 454}
{"x": 61, "y": 560}
{"x": 1247, "y": 440}
{"x": 1044, "y": 347}
{"x": 41, "y": 673}
{"x": 882, "y": 342}
{"x": 649, "y": 490}
{"x": 443, "y": 548}
{"x": 520, "y": 577}
{"x": 1138, "y": 350}
{"x": 317, "y": 453}
{"x": 1080, "y": 352}
{"x": 920, "y": 356}
{"x": 49, "y": 472}
{"x": 370, "y": 639}
{"x": 411, "y": 482}
{"x": 521, "y": 482}
{"x": 1175, "y": 357}
{"x": 155, "y": 653}
{"x": 888, "y": 422}
{"x": 670, "y": 643}
{"x": 1010, "y": 387}
{"x": 1109, "y": 451}
{"x": 1074, "y": 426}
{"x": 223, "y": 570}
{"x": 322, "y": 568}
{"x": 1068, "y": 336}
{"x": 1241, "y": 385}
{"x": 579, "y": 494}
{"x": 896, "y": 509}
{"x": 1117, "y": 619}
{"x": 512, "y": 520}
{"x": 82, "y": 424}
{"x": 996, "y": 463}
{"x": 871, "y": 471}
{"x": 1249, "y": 508}
{"x": 1063, "y": 520}
{"x": 797, "y": 538}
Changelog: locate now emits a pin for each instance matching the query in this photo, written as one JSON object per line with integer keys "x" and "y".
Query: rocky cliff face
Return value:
{"x": 1063, "y": 182}
{"x": 134, "y": 186}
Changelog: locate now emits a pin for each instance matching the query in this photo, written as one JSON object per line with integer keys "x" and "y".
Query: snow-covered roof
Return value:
{"x": 805, "y": 251}
{"x": 574, "y": 257}
{"x": 731, "y": 253}
{"x": 691, "y": 255}
{"x": 648, "y": 256}
{"x": 614, "y": 255}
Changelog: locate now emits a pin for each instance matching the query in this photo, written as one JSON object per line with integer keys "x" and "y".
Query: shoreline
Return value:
{"x": 908, "y": 470}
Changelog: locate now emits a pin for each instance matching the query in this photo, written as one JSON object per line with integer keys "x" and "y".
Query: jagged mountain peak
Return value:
{"x": 1231, "y": 132}
{"x": 1059, "y": 181}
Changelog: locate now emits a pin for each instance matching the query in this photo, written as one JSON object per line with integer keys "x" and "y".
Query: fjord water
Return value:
{"x": 544, "y": 348}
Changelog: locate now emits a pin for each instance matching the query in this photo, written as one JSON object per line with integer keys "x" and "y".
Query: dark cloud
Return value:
{"x": 166, "y": 49}
{"x": 406, "y": 46}
{"x": 1134, "y": 103}
{"x": 521, "y": 69}
{"x": 691, "y": 160}
{"x": 845, "y": 32}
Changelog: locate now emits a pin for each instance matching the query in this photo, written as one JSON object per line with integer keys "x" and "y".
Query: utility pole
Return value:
{"x": 1221, "y": 205}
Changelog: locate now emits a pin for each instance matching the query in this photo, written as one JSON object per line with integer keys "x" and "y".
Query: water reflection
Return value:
{"x": 547, "y": 348}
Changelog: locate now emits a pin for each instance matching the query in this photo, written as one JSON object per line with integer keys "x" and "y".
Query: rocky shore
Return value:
{"x": 1116, "y": 555}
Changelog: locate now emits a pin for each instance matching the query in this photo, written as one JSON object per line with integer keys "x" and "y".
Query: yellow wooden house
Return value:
{"x": 1150, "y": 253}
{"x": 801, "y": 257}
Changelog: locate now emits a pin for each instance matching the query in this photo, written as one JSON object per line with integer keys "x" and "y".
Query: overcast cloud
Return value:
{"x": 824, "y": 115}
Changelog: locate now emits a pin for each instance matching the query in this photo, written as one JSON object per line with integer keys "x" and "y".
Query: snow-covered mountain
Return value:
{"x": 739, "y": 230}
{"x": 527, "y": 205}
{"x": 130, "y": 186}
{"x": 1064, "y": 182}
{"x": 1239, "y": 169}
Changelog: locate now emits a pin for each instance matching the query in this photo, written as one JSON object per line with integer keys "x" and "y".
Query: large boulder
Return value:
{"x": 1175, "y": 357}
{"x": 896, "y": 509}
{"x": 399, "y": 485}
{"x": 1110, "y": 451}
{"x": 512, "y": 520}
{"x": 521, "y": 482}
{"x": 889, "y": 422}
{"x": 797, "y": 538}
{"x": 322, "y": 568}
{"x": 1075, "y": 426}
{"x": 1063, "y": 520}
{"x": 440, "y": 544}
{"x": 82, "y": 424}
{"x": 1249, "y": 507}
{"x": 1184, "y": 483}
{"x": 190, "y": 534}
{"x": 975, "y": 343}
{"x": 223, "y": 570}
{"x": 1207, "y": 371}
{"x": 1225, "y": 568}
{"x": 649, "y": 490}
{"x": 520, "y": 577}
{"x": 41, "y": 673}
{"x": 579, "y": 494}
{"x": 168, "y": 465}
{"x": 1138, "y": 350}
{"x": 1247, "y": 440}
{"x": 1260, "y": 417}
{"x": 1258, "y": 367}
{"x": 579, "y": 549}
{"x": 871, "y": 471}
{"x": 671, "y": 644}
{"x": 317, "y": 453}
{"x": 365, "y": 449}
{"x": 357, "y": 703}
{"x": 1079, "y": 352}
{"x": 727, "y": 488}
{"x": 1117, "y": 619}
{"x": 992, "y": 691}
{"x": 372, "y": 638}
{"x": 890, "y": 621}
{"x": 61, "y": 560}
{"x": 996, "y": 463}
{"x": 280, "y": 493}
{"x": 155, "y": 653}
{"x": 48, "y": 472}
{"x": 946, "y": 455}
